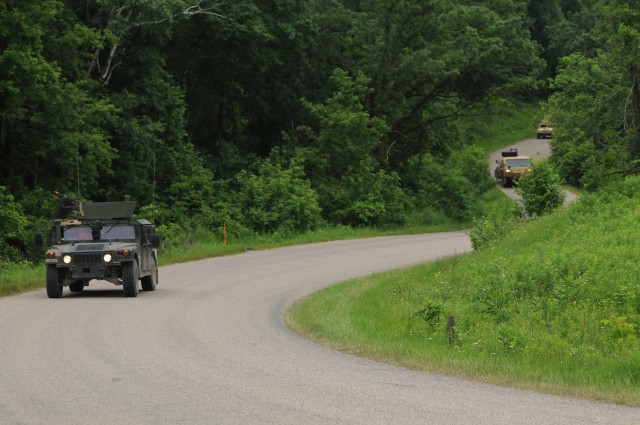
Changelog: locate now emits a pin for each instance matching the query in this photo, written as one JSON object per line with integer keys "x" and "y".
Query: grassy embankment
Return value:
{"x": 553, "y": 306}
{"x": 489, "y": 133}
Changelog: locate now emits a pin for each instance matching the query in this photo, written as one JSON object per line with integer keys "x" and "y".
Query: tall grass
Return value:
{"x": 553, "y": 305}
{"x": 20, "y": 277}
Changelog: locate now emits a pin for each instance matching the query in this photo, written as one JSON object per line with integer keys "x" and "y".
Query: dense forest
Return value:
{"x": 285, "y": 115}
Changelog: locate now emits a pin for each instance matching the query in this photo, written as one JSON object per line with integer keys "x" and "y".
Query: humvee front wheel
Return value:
{"x": 130, "y": 278}
{"x": 54, "y": 284}
{"x": 149, "y": 282}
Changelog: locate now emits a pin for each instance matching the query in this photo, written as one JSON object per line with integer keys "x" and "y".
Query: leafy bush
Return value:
{"x": 277, "y": 199}
{"x": 13, "y": 224}
{"x": 353, "y": 186}
{"x": 496, "y": 223}
{"x": 432, "y": 312}
{"x": 367, "y": 197}
{"x": 541, "y": 190}
{"x": 453, "y": 186}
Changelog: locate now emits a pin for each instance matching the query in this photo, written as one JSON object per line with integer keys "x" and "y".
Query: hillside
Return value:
{"x": 554, "y": 305}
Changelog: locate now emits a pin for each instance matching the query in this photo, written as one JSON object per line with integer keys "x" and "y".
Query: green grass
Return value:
{"x": 23, "y": 277}
{"x": 552, "y": 306}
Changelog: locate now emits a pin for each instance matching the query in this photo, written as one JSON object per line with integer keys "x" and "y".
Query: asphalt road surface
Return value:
{"x": 209, "y": 347}
{"x": 537, "y": 149}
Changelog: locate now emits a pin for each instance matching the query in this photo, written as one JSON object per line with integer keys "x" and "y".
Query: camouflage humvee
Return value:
{"x": 511, "y": 167}
{"x": 545, "y": 130}
{"x": 101, "y": 241}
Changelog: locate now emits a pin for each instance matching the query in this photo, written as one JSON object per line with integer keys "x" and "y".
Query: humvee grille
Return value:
{"x": 90, "y": 247}
{"x": 87, "y": 258}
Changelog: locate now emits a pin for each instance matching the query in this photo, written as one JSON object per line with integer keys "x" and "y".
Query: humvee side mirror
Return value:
{"x": 39, "y": 242}
{"x": 497, "y": 162}
{"x": 155, "y": 241}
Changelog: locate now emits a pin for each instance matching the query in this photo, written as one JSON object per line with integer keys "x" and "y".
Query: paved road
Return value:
{"x": 210, "y": 347}
{"x": 537, "y": 149}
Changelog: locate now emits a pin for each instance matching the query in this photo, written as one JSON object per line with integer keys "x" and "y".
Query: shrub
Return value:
{"x": 496, "y": 223}
{"x": 277, "y": 199}
{"x": 13, "y": 224}
{"x": 453, "y": 186}
{"x": 541, "y": 190}
{"x": 367, "y": 197}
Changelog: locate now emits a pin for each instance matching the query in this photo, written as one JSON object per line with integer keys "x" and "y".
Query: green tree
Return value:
{"x": 596, "y": 104}
{"x": 434, "y": 60}
{"x": 541, "y": 190}
{"x": 352, "y": 186}
{"x": 452, "y": 187}
{"x": 52, "y": 129}
{"x": 277, "y": 199}
{"x": 243, "y": 78}
{"x": 13, "y": 224}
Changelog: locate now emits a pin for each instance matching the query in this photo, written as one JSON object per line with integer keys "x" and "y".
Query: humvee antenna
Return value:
{"x": 78, "y": 167}
{"x": 153, "y": 186}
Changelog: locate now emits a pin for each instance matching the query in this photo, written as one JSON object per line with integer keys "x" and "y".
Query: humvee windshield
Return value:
{"x": 518, "y": 163}
{"x": 107, "y": 233}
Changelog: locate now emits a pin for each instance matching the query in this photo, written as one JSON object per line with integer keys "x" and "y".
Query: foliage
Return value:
{"x": 352, "y": 187}
{"x": 541, "y": 190}
{"x": 12, "y": 226}
{"x": 490, "y": 228}
{"x": 453, "y": 187}
{"x": 277, "y": 199}
{"x": 169, "y": 101}
{"x": 596, "y": 104}
{"x": 195, "y": 199}
{"x": 52, "y": 129}
{"x": 433, "y": 60}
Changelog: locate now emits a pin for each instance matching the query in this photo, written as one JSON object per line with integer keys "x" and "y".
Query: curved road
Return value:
{"x": 209, "y": 347}
{"x": 537, "y": 149}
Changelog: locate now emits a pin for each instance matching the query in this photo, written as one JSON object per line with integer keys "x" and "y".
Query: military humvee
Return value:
{"x": 99, "y": 240}
{"x": 511, "y": 167}
{"x": 545, "y": 130}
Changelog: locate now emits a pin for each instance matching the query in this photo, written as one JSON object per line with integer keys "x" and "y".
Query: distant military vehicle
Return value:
{"x": 99, "y": 240}
{"x": 511, "y": 167}
{"x": 545, "y": 129}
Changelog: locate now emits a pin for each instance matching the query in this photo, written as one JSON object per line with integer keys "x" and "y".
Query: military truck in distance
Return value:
{"x": 545, "y": 129}
{"x": 511, "y": 166}
{"x": 99, "y": 240}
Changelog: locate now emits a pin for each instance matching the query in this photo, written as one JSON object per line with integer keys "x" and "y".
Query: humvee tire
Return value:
{"x": 130, "y": 278}
{"x": 149, "y": 282}
{"x": 54, "y": 284}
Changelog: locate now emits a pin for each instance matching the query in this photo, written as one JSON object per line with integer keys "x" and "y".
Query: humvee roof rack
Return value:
{"x": 107, "y": 210}
{"x": 67, "y": 206}
{"x": 512, "y": 152}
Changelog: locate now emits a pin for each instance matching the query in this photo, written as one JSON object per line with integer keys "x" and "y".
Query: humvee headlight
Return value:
{"x": 66, "y": 259}
{"x": 51, "y": 254}
{"x": 107, "y": 258}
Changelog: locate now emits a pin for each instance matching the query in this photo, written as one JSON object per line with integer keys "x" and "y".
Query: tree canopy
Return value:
{"x": 282, "y": 116}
